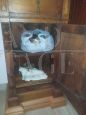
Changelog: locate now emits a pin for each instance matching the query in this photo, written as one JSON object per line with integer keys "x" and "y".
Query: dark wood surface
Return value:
{"x": 70, "y": 64}
{"x": 78, "y": 12}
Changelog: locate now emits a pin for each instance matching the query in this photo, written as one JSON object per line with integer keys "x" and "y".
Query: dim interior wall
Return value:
{"x": 3, "y": 71}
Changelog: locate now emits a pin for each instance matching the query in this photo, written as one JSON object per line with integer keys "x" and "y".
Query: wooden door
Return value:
{"x": 70, "y": 65}
{"x": 75, "y": 46}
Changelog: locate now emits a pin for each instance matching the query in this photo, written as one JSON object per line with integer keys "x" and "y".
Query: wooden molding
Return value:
{"x": 35, "y": 104}
{"x": 18, "y": 110}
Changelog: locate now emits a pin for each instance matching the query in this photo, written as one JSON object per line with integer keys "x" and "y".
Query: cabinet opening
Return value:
{"x": 21, "y": 85}
{"x": 42, "y": 61}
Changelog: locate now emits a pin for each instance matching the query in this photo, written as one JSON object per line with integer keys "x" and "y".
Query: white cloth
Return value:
{"x": 32, "y": 74}
{"x": 46, "y": 41}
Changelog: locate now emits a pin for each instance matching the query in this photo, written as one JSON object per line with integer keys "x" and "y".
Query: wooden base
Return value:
{"x": 38, "y": 97}
{"x": 43, "y": 102}
{"x": 35, "y": 104}
{"x": 18, "y": 110}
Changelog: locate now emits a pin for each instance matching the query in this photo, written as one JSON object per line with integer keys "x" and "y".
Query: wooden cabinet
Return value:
{"x": 39, "y": 93}
{"x": 69, "y": 57}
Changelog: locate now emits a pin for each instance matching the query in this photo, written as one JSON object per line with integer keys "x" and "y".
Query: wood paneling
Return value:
{"x": 74, "y": 47}
{"x": 73, "y": 42}
{"x": 78, "y": 12}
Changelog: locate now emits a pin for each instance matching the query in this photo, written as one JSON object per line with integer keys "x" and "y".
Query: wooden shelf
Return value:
{"x": 21, "y": 52}
{"x": 21, "y": 83}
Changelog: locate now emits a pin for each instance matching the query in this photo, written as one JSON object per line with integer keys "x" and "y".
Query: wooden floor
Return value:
{"x": 65, "y": 110}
